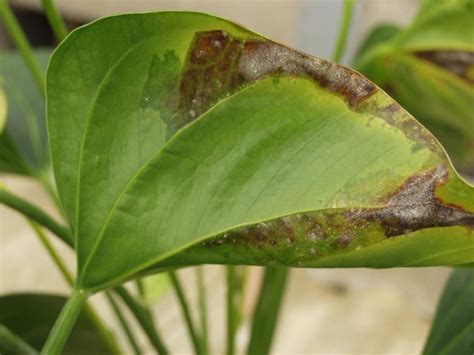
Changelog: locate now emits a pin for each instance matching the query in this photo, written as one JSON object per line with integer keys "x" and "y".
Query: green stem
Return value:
{"x": 231, "y": 309}
{"x": 18, "y": 36}
{"x": 202, "y": 308}
{"x": 52, "y": 252}
{"x": 347, "y": 11}
{"x": 55, "y": 20}
{"x": 141, "y": 289}
{"x": 102, "y": 329}
{"x": 11, "y": 343}
{"x": 36, "y": 214}
{"x": 40, "y": 217}
{"x": 45, "y": 181}
{"x": 123, "y": 323}
{"x": 88, "y": 309}
{"x": 144, "y": 319}
{"x": 65, "y": 322}
{"x": 186, "y": 312}
{"x": 266, "y": 313}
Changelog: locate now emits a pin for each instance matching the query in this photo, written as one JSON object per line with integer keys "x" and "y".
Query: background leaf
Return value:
{"x": 11, "y": 344}
{"x": 208, "y": 140}
{"x": 3, "y": 109}
{"x": 23, "y": 144}
{"x": 452, "y": 331}
{"x": 31, "y": 316}
{"x": 155, "y": 287}
{"x": 428, "y": 68}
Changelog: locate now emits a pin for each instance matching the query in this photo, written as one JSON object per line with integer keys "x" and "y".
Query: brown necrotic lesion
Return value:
{"x": 218, "y": 64}
{"x": 306, "y": 236}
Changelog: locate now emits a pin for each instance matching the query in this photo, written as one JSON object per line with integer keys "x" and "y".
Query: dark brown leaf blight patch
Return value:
{"x": 415, "y": 206}
{"x": 299, "y": 238}
{"x": 460, "y": 63}
{"x": 218, "y": 64}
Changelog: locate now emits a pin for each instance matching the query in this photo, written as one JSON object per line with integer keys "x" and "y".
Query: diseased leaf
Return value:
{"x": 429, "y": 69}
{"x": 191, "y": 140}
{"x": 32, "y": 316}
{"x": 23, "y": 143}
{"x": 452, "y": 332}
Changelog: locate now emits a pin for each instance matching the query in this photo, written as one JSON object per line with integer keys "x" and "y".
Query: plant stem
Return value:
{"x": 18, "y": 36}
{"x": 55, "y": 20}
{"x": 102, "y": 329}
{"x": 123, "y": 323}
{"x": 231, "y": 309}
{"x": 144, "y": 319}
{"x": 53, "y": 253}
{"x": 186, "y": 312}
{"x": 88, "y": 309}
{"x": 40, "y": 217}
{"x": 202, "y": 309}
{"x": 36, "y": 214}
{"x": 65, "y": 322}
{"x": 347, "y": 11}
{"x": 266, "y": 313}
{"x": 11, "y": 343}
{"x": 140, "y": 288}
{"x": 45, "y": 181}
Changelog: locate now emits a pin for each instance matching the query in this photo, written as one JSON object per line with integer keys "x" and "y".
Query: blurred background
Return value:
{"x": 357, "y": 311}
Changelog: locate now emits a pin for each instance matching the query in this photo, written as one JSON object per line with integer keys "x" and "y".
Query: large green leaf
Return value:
{"x": 181, "y": 138}
{"x": 32, "y": 316}
{"x": 452, "y": 332}
{"x": 23, "y": 143}
{"x": 429, "y": 69}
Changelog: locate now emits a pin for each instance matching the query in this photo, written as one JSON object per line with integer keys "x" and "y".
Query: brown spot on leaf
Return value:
{"x": 346, "y": 238}
{"x": 460, "y": 63}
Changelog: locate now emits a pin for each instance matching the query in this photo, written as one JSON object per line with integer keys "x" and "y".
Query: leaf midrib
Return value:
{"x": 86, "y": 131}
{"x": 138, "y": 173}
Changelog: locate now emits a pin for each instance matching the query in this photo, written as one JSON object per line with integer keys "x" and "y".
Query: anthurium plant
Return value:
{"x": 179, "y": 138}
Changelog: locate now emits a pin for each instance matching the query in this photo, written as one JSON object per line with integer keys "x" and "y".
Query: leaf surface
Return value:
{"x": 452, "y": 331}
{"x": 200, "y": 142}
